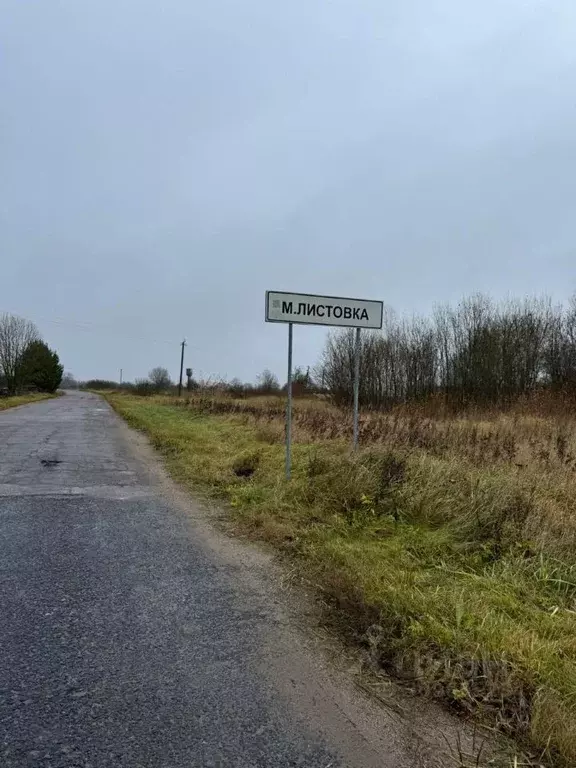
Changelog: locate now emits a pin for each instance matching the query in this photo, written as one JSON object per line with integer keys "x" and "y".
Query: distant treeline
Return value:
{"x": 478, "y": 353}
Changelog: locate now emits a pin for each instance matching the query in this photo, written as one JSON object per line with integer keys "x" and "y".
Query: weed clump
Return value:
{"x": 246, "y": 464}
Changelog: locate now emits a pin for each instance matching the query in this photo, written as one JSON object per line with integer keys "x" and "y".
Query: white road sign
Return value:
{"x": 308, "y": 309}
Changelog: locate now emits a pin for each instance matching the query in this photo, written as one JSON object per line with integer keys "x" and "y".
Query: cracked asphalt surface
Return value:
{"x": 124, "y": 639}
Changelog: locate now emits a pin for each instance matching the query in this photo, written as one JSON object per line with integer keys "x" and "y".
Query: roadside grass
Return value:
{"x": 456, "y": 570}
{"x": 32, "y": 397}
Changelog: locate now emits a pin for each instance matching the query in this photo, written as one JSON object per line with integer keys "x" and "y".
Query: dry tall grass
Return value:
{"x": 520, "y": 437}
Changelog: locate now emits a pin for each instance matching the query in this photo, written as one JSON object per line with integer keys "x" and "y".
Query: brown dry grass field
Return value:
{"x": 447, "y": 545}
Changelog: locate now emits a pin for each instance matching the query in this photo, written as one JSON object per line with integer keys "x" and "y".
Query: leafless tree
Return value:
{"x": 160, "y": 379}
{"x": 68, "y": 381}
{"x": 16, "y": 334}
{"x": 268, "y": 383}
{"x": 560, "y": 351}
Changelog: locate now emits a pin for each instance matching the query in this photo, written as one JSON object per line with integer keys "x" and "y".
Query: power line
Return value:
{"x": 91, "y": 327}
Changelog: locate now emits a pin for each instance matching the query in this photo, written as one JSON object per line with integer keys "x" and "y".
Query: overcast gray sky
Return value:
{"x": 163, "y": 163}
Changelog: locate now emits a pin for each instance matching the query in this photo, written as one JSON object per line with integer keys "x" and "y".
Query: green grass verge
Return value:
{"x": 425, "y": 559}
{"x": 12, "y": 402}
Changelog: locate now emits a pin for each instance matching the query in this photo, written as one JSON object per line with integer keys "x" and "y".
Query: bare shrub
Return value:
{"x": 477, "y": 354}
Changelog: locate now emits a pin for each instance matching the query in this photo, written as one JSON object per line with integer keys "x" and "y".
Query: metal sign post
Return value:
{"x": 356, "y": 388}
{"x": 334, "y": 311}
{"x": 289, "y": 405}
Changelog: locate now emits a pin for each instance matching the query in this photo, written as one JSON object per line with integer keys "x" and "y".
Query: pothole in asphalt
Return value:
{"x": 50, "y": 462}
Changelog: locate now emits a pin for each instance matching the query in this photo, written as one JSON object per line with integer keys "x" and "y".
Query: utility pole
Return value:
{"x": 120, "y": 376}
{"x": 181, "y": 368}
{"x": 289, "y": 406}
{"x": 356, "y": 387}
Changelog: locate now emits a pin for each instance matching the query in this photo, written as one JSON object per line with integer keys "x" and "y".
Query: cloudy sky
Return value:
{"x": 162, "y": 164}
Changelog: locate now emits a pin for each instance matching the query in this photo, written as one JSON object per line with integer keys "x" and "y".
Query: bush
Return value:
{"x": 237, "y": 389}
{"x": 99, "y": 384}
{"x": 144, "y": 388}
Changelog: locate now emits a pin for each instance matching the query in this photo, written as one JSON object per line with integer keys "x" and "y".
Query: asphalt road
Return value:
{"x": 126, "y": 639}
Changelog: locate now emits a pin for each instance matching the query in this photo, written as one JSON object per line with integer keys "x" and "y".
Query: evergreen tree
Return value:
{"x": 40, "y": 367}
